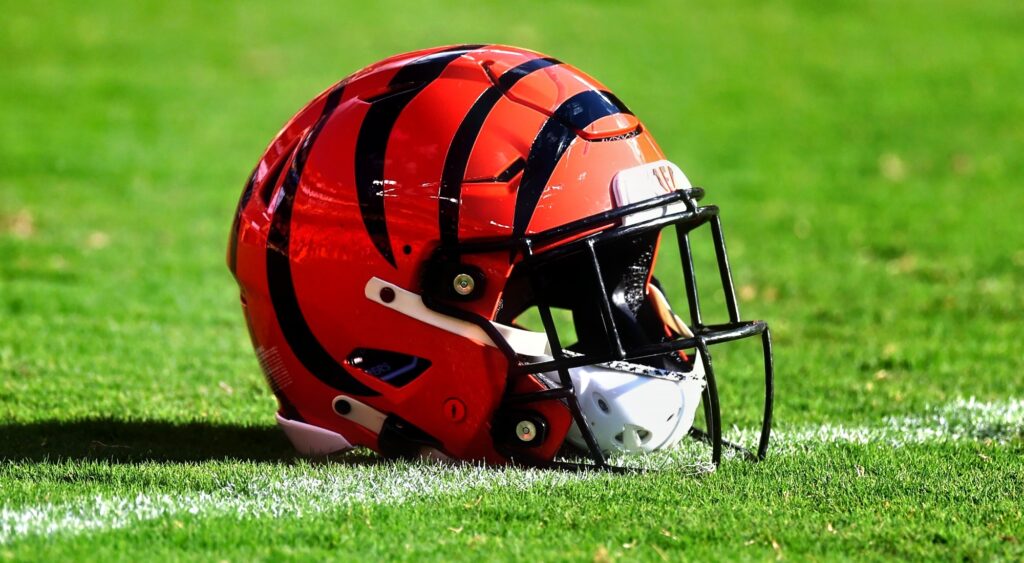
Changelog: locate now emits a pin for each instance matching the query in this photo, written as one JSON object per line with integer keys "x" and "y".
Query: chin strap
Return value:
{"x": 673, "y": 324}
{"x": 666, "y": 314}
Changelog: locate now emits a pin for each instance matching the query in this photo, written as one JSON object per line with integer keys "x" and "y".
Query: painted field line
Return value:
{"x": 960, "y": 420}
{"x": 963, "y": 420}
{"x": 279, "y": 492}
{"x": 296, "y": 491}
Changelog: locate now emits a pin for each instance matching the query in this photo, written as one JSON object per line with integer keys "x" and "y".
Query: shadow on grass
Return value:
{"x": 121, "y": 441}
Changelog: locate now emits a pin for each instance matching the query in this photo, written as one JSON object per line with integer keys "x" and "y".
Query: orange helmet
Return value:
{"x": 400, "y": 226}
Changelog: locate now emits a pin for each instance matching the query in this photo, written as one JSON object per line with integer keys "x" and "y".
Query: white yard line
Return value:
{"x": 963, "y": 420}
{"x": 960, "y": 420}
{"x": 293, "y": 492}
{"x": 280, "y": 492}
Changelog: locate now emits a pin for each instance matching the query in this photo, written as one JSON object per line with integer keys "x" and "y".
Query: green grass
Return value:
{"x": 867, "y": 157}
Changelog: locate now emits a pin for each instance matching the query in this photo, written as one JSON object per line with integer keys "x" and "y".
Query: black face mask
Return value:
{"x": 626, "y": 271}
{"x": 599, "y": 269}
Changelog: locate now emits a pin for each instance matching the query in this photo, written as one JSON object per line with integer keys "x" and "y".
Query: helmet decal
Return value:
{"x": 555, "y": 136}
{"x": 455, "y": 162}
{"x": 297, "y": 333}
{"x": 375, "y": 131}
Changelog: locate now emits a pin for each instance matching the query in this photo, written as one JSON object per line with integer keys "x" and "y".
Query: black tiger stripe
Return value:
{"x": 515, "y": 74}
{"x": 371, "y": 145}
{"x": 554, "y": 138}
{"x": 296, "y": 330}
{"x": 457, "y": 159}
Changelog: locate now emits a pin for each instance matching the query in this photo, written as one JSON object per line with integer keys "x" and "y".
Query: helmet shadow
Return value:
{"x": 129, "y": 442}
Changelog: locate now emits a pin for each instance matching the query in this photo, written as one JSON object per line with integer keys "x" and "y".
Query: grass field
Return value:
{"x": 868, "y": 159}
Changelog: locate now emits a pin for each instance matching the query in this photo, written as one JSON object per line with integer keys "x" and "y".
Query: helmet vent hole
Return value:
{"x": 271, "y": 179}
{"x": 641, "y": 435}
{"x": 601, "y": 404}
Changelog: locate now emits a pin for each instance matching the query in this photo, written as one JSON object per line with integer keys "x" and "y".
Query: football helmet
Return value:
{"x": 402, "y": 227}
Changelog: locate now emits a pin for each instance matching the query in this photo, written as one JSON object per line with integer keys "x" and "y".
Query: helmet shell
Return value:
{"x": 443, "y": 145}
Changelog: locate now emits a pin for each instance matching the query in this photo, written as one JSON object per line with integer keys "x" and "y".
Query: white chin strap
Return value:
{"x": 630, "y": 413}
